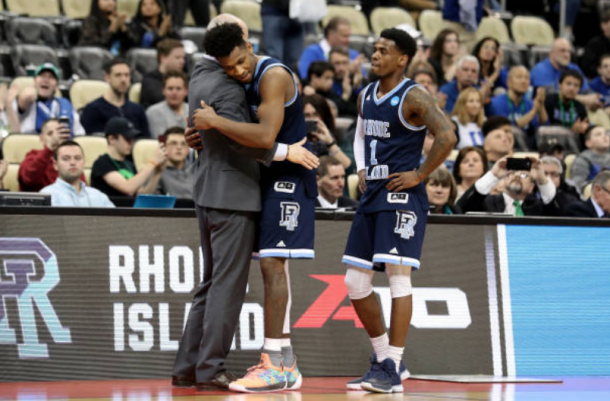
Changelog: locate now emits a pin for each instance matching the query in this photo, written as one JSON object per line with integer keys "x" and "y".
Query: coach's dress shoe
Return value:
{"x": 182, "y": 381}
{"x": 219, "y": 382}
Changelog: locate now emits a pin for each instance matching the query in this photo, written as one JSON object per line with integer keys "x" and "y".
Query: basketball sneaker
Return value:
{"x": 384, "y": 379}
{"x": 294, "y": 380}
{"x": 355, "y": 384}
{"x": 263, "y": 377}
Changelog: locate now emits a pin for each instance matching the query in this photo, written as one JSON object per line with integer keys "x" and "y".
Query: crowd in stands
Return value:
{"x": 551, "y": 105}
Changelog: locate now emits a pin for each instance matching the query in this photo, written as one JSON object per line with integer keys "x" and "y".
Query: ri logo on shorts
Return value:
{"x": 290, "y": 215}
{"x": 405, "y": 224}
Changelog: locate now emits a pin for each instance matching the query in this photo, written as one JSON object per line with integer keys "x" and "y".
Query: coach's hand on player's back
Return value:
{"x": 203, "y": 117}
{"x": 297, "y": 154}
{"x": 193, "y": 139}
{"x": 404, "y": 180}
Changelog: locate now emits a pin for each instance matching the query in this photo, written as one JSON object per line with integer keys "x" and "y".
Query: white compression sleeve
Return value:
{"x": 400, "y": 280}
{"x": 359, "y": 145}
{"x": 289, "y": 303}
{"x": 359, "y": 282}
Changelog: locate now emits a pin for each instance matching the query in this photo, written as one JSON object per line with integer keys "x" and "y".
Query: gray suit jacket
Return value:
{"x": 226, "y": 174}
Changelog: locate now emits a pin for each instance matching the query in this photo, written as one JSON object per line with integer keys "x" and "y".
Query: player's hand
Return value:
{"x": 404, "y": 180}
{"x": 297, "y": 154}
{"x": 362, "y": 181}
{"x": 193, "y": 139}
{"x": 203, "y": 118}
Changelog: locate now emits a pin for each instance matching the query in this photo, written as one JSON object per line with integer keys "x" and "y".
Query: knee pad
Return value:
{"x": 359, "y": 282}
{"x": 400, "y": 280}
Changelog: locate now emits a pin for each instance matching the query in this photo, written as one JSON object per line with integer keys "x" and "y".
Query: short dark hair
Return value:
{"x": 174, "y": 130}
{"x": 318, "y": 68}
{"x": 175, "y": 74}
{"x": 325, "y": 163}
{"x": 50, "y": 120}
{"x": 333, "y": 24}
{"x": 67, "y": 143}
{"x": 166, "y": 46}
{"x": 338, "y": 50}
{"x": 403, "y": 41}
{"x": 493, "y": 123}
{"x": 222, "y": 39}
{"x": 116, "y": 61}
{"x": 571, "y": 73}
{"x": 602, "y": 58}
{"x": 605, "y": 16}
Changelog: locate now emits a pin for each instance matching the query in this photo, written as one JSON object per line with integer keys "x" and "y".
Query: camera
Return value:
{"x": 518, "y": 164}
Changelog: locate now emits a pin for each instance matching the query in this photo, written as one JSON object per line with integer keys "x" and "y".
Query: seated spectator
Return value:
{"x": 601, "y": 83}
{"x": 444, "y": 55}
{"x": 106, "y": 27}
{"x": 177, "y": 177}
{"x": 441, "y": 190}
{"x": 114, "y": 103}
{"x": 37, "y": 104}
{"x": 499, "y": 139}
{"x": 598, "y": 205}
{"x": 346, "y": 84}
{"x": 597, "y": 47}
{"x": 470, "y": 165}
{"x": 592, "y": 160}
{"x": 3, "y": 170}
{"x": 492, "y": 72}
{"x": 200, "y": 10}
{"x": 469, "y": 117}
{"x": 320, "y": 76}
{"x": 517, "y": 198}
{"x": 336, "y": 34}
{"x": 566, "y": 192}
{"x": 331, "y": 182}
{"x": 9, "y": 119}
{"x": 563, "y": 108}
{"x": 467, "y": 76}
{"x": 151, "y": 24}
{"x": 422, "y": 73}
{"x": 69, "y": 190}
{"x": 173, "y": 111}
{"x": 171, "y": 57}
{"x": 36, "y": 171}
{"x": 521, "y": 111}
{"x": 464, "y": 18}
{"x": 115, "y": 174}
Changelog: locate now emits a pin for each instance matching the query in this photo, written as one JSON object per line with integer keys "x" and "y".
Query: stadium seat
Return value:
{"x": 549, "y": 135}
{"x": 192, "y": 60}
{"x": 134, "y": 92}
{"x": 26, "y": 55}
{"x": 586, "y": 192}
{"x": 362, "y": 44}
{"x": 453, "y": 155}
{"x": 569, "y": 160}
{"x": 16, "y": 146}
{"x": 342, "y": 125}
{"x": 93, "y": 146}
{"x": 11, "y": 179}
{"x": 520, "y": 139}
{"x": 390, "y": 17}
{"x": 24, "y": 82}
{"x": 352, "y": 186}
{"x": 538, "y": 53}
{"x": 515, "y": 54}
{"x": 128, "y": 6}
{"x": 88, "y": 62}
{"x": 141, "y": 61}
{"x": 495, "y": 28}
{"x": 76, "y": 9}
{"x": 358, "y": 21}
{"x": 143, "y": 151}
{"x": 522, "y": 155}
{"x": 34, "y": 8}
{"x": 85, "y": 91}
{"x": 71, "y": 32}
{"x": 32, "y": 31}
{"x": 599, "y": 117}
{"x": 430, "y": 23}
{"x": 193, "y": 33}
{"x": 532, "y": 31}
{"x": 247, "y": 11}
{"x": 87, "y": 173}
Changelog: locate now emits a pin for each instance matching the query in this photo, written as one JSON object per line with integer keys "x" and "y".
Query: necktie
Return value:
{"x": 518, "y": 209}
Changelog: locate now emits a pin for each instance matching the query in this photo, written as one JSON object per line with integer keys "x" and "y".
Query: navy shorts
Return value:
{"x": 389, "y": 236}
{"x": 287, "y": 223}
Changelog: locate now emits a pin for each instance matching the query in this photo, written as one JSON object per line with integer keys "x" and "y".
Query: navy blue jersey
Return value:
{"x": 292, "y": 131}
{"x": 391, "y": 146}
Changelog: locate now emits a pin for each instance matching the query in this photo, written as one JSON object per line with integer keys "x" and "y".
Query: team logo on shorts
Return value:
{"x": 285, "y": 187}
{"x": 398, "y": 197}
{"x": 290, "y": 215}
{"x": 405, "y": 224}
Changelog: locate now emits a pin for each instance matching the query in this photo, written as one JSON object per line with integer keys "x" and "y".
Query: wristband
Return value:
{"x": 333, "y": 143}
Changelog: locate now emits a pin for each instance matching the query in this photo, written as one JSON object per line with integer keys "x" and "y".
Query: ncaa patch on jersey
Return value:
{"x": 285, "y": 187}
{"x": 395, "y": 100}
{"x": 398, "y": 198}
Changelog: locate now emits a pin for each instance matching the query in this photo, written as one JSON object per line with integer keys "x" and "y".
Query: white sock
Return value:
{"x": 395, "y": 354}
{"x": 380, "y": 345}
{"x": 285, "y": 342}
{"x": 273, "y": 344}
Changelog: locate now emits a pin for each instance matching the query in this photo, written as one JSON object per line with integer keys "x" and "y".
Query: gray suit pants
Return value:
{"x": 227, "y": 238}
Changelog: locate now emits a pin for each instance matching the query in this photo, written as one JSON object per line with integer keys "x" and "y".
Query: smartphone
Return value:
{"x": 162, "y": 139}
{"x": 65, "y": 120}
{"x": 312, "y": 126}
{"x": 518, "y": 164}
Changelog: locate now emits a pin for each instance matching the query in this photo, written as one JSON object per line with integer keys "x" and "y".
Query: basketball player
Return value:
{"x": 288, "y": 192}
{"x": 388, "y": 229}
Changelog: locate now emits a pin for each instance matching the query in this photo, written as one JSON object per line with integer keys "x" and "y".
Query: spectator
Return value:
{"x": 177, "y": 177}
{"x": 563, "y": 108}
{"x": 592, "y": 160}
{"x": 469, "y": 116}
{"x": 331, "y": 182}
{"x": 200, "y": 10}
{"x": 283, "y": 36}
{"x": 3, "y": 170}
{"x": 470, "y": 165}
{"x": 444, "y": 55}
{"x": 522, "y": 112}
{"x": 9, "y": 119}
{"x": 171, "y": 57}
{"x": 320, "y": 76}
{"x": 566, "y": 192}
{"x": 492, "y": 72}
{"x": 428, "y": 142}
{"x": 601, "y": 83}
{"x": 464, "y": 18}
{"x": 69, "y": 190}
{"x": 151, "y": 24}
{"x": 173, "y": 111}
{"x": 597, "y": 47}
{"x": 36, "y": 171}
{"x": 105, "y": 27}
{"x": 467, "y": 75}
{"x": 499, "y": 139}
{"x": 336, "y": 33}
{"x": 38, "y": 104}
{"x": 345, "y": 84}
{"x": 114, "y": 103}
{"x": 441, "y": 190}
{"x": 548, "y": 71}
{"x": 598, "y": 205}
{"x": 517, "y": 197}
{"x": 115, "y": 174}
{"x": 423, "y": 73}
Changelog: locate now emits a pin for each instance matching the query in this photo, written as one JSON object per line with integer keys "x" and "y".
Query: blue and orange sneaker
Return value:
{"x": 355, "y": 384}
{"x": 263, "y": 377}
{"x": 383, "y": 379}
{"x": 294, "y": 380}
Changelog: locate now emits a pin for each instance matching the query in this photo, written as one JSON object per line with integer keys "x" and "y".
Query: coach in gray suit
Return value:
{"x": 227, "y": 197}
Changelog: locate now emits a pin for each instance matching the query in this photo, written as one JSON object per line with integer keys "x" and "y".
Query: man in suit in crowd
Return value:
{"x": 598, "y": 205}
{"x": 331, "y": 181}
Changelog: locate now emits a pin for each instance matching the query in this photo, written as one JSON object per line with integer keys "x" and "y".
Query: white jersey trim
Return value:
{"x": 395, "y": 260}
{"x": 401, "y": 117}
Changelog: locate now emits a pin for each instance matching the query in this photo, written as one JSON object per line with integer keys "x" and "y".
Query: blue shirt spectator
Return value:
{"x": 467, "y": 12}
{"x": 547, "y": 72}
{"x": 598, "y": 85}
{"x": 467, "y": 75}
{"x": 64, "y": 194}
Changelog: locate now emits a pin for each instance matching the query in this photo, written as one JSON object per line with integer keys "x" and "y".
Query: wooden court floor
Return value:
{"x": 314, "y": 389}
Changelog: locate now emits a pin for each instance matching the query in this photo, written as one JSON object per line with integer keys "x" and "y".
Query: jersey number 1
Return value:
{"x": 373, "y": 149}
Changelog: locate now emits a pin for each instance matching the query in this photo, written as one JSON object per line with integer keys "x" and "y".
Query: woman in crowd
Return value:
{"x": 470, "y": 165}
{"x": 469, "y": 116}
{"x": 441, "y": 190}
{"x": 444, "y": 55}
{"x": 151, "y": 24}
{"x": 321, "y": 135}
{"x": 492, "y": 72}
{"x": 105, "y": 27}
